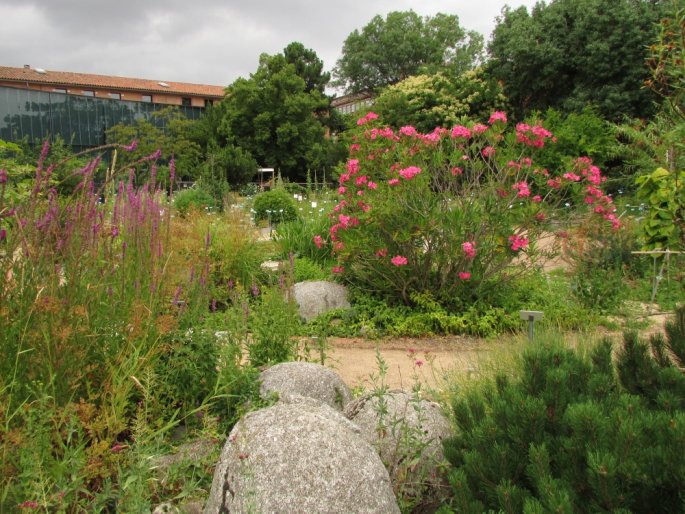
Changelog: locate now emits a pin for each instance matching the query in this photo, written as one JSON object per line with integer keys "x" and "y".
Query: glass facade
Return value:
{"x": 79, "y": 120}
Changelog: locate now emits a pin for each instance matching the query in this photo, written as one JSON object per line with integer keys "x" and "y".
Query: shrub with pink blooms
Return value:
{"x": 455, "y": 211}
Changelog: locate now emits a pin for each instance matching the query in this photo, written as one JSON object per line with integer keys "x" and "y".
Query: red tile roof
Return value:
{"x": 65, "y": 78}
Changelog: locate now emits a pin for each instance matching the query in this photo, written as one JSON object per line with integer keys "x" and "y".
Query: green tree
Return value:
{"x": 275, "y": 118}
{"x": 571, "y": 53}
{"x": 181, "y": 138}
{"x": 439, "y": 100}
{"x": 403, "y": 44}
{"x": 308, "y": 66}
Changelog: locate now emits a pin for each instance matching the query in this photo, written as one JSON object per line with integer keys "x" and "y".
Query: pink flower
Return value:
{"x": 360, "y": 180}
{"x": 352, "y": 166}
{"x": 410, "y": 172}
{"x": 572, "y": 177}
{"x": 383, "y": 252}
{"x": 418, "y": 363}
{"x": 131, "y": 147}
{"x": 469, "y": 248}
{"x": 3, "y": 176}
{"x": 518, "y": 242}
{"x": 370, "y": 116}
{"x": 522, "y": 188}
{"x": 479, "y": 128}
{"x": 488, "y": 151}
{"x": 497, "y": 116}
{"x": 460, "y": 131}
{"x": 399, "y": 260}
{"x": 408, "y": 131}
{"x": 338, "y": 269}
{"x": 342, "y": 190}
{"x": 344, "y": 220}
{"x": 393, "y": 181}
{"x": 355, "y": 147}
{"x": 464, "y": 275}
{"x": 372, "y": 185}
{"x": 456, "y": 171}
{"x": 318, "y": 241}
{"x": 537, "y": 199}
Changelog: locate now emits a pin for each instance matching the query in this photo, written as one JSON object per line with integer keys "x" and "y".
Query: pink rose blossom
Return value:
{"x": 318, "y": 241}
{"x": 464, "y": 275}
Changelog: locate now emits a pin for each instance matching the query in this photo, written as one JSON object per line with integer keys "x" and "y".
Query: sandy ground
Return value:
{"x": 407, "y": 360}
{"x": 426, "y": 360}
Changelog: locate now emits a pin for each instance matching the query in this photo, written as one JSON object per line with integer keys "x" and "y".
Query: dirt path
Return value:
{"x": 426, "y": 360}
{"x": 407, "y": 360}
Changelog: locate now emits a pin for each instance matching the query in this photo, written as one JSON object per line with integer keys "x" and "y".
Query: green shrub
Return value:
{"x": 192, "y": 198}
{"x": 276, "y": 206}
{"x": 306, "y": 269}
{"x": 561, "y": 434}
{"x": 297, "y": 238}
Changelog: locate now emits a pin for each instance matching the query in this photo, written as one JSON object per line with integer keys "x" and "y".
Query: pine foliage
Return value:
{"x": 574, "y": 433}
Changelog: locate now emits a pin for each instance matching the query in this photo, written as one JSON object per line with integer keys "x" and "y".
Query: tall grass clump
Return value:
{"x": 85, "y": 305}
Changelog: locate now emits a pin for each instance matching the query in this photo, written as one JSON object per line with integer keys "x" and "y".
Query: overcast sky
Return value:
{"x": 202, "y": 41}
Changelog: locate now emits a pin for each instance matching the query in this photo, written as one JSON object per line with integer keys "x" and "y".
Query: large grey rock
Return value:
{"x": 319, "y": 296}
{"x": 305, "y": 379}
{"x": 407, "y": 432}
{"x": 299, "y": 457}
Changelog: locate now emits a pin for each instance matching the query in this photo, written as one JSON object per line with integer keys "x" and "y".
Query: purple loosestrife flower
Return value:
{"x": 43, "y": 156}
{"x": 3, "y": 176}
{"x": 131, "y": 147}
{"x": 3, "y": 234}
{"x": 177, "y": 294}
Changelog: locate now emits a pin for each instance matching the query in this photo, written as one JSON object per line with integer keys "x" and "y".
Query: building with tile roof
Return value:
{"x": 37, "y": 104}
{"x": 111, "y": 87}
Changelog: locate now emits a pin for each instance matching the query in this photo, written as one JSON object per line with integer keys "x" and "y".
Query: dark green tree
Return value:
{"x": 308, "y": 66}
{"x": 276, "y": 118}
{"x": 572, "y": 53}
{"x": 403, "y": 44}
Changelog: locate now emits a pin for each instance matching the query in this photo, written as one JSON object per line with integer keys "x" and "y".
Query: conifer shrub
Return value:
{"x": 570, "y": 432}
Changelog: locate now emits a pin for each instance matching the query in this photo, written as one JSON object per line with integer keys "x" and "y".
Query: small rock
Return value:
{"x": 404, "y": 428}
{"x": 315, "y": 297}
{"x": 305, "y": 379}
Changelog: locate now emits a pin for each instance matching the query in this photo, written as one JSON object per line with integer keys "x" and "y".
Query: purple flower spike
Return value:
{"x": 3, "y": 176}
{"x": 131, "y": 147}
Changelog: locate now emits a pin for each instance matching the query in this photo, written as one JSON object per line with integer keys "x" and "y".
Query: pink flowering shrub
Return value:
{"x": 451, "y": 210}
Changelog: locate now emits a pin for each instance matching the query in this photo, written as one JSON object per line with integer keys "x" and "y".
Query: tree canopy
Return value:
{"x": 277, "y": 115}
{"x": 571, "y": 53}
{"x": 403, "y": 44}
{"x": 439, "y": 100}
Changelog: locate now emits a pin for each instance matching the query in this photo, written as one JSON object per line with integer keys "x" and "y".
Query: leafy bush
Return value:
{"x": 306, "y": 269}
{"x": 193, "y": 198}
{"x": 276, "y": 206}
{"x": 569, "y": 433}
{"x": 450, "y": 211}
{"x": 298, "y": 237}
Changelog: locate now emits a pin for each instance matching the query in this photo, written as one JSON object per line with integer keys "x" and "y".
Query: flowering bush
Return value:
{"x": 448, "y": 211}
